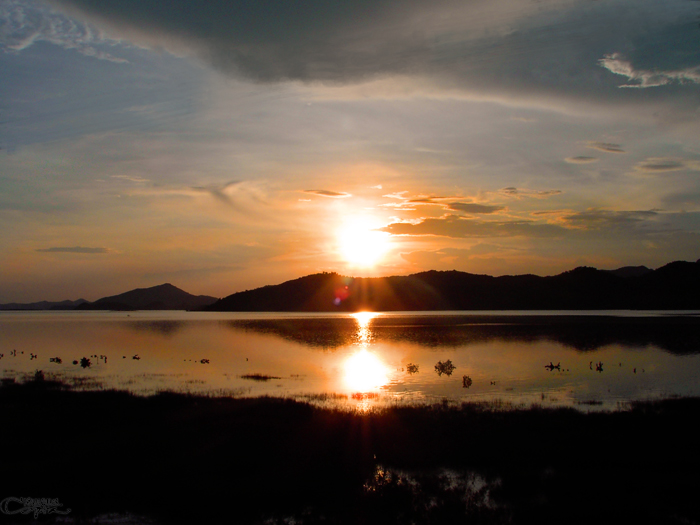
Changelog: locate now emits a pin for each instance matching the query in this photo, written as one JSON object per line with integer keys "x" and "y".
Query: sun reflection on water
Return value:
{"x": 364, "y": 371}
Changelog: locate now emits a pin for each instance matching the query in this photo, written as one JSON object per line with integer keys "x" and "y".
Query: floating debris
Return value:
{"x": 599, "y": 366}
{"x": 445, "y": 368}
{"x": 204, "y": 361}
{"x": 466, "y": 381}
{"x": 137, "y": 357}
{"x": 412, "y": 368}
{"x": 551, "y": 366}
{"x": 55, "y": 360}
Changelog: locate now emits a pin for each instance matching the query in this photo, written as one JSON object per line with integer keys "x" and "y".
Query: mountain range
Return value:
{"x": 162, "y": 297}
{"x": 675, "y": 286}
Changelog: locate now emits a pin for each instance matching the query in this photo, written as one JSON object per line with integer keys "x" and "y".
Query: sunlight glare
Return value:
{"x": 364, "y": 334}
{"x": 359, "y": 242}
{"x": 364, "y": 372}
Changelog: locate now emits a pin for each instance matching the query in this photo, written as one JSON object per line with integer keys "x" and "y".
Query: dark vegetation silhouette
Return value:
{"x": 673, "y": 286}
{"x": 445, "y": 367}
{"x": 195, "y": 459}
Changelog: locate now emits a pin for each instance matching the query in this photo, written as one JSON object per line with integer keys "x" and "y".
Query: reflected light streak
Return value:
{"x": 364, "y": 371}
{"x": 364, "y": 334}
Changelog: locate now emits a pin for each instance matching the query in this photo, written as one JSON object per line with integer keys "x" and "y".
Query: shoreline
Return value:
{"x": 209, "y": 459}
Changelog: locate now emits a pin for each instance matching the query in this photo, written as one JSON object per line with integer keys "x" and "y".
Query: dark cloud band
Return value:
{"x": 73, "y": 249}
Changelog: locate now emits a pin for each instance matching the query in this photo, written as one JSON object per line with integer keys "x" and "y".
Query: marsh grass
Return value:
{"x": 186, "y": 458}
{"x": 259, "y": 377}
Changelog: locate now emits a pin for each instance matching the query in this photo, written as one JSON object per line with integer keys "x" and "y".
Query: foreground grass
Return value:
{"x": 196, "y": 459}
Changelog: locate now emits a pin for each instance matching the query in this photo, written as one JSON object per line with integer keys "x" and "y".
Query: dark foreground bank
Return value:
{"x": 189, "y": 459}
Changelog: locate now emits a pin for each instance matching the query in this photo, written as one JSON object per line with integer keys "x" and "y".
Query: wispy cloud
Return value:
{"x": 518, "y": 193}
{"x": 471, "y": 207}
{"x": 24, "y": 23}
{"x": 330, "y": 194}
{"x": 581, "y": 160}
{"x": 608, "y": 147}
{"x": 73, "y": 249}
{"x": 130, "y": 178}
{"x": 596, "y": 219}
{"x": 664, "y": 164}
{"x": 616, "y": 63}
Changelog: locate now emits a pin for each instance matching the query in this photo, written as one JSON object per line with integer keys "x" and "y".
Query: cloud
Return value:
{"x": 588, "y": 224}
{"x": 492, "y": 49}
{"x": 131, "y": 178}
{"x": 24, "y": 23}
{"x": 330, "y": 194}
{"x": 467, "y": 207}
{"x": 223, "y": 193}
{"x": 460, "y": 227}
{"x": 660, "y": 164}
{"x": 518, "y": 193}
{"x": 581, "y": 160}
{"x": 606, "y": 146}
{"x": 73, "y": 249}
{"x": 470, "y": 207}
{"x": 597, "y": 219}
{"x": 615, "y": 63}
{"x": 401, "y": 195}
{"x": 237, "y": 195}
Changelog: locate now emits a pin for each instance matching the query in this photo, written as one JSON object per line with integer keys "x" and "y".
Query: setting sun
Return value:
{"x": 360, "y": 243}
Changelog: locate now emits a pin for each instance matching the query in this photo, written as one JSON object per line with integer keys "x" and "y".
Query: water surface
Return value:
{"x": 598, "y": 359}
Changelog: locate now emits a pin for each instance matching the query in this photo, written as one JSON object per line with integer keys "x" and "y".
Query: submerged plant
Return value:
{"x": 466, "y": 381}
{"x": 412, "y": 368}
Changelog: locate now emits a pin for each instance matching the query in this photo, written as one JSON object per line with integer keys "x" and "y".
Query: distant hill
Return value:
{"x": 631, "y": 271}
{"x": 43, "y": 305}
{"x": 162, "y": 297}
{"x": 673, "y": 286}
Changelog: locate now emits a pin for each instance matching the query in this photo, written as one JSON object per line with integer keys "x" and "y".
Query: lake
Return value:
{"x": 588, "y": 360}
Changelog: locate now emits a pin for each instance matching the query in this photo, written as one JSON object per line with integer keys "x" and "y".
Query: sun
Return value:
{"x": 360, "y": 243}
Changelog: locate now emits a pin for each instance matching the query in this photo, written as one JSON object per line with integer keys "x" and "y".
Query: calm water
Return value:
{"x": 359, "y": 360}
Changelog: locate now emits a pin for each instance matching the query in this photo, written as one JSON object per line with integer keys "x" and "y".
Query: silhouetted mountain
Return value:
{"x": 631, "y": 271}
{"x": 43, "y": 305}
{"x": 162, "y": 297}
{"x": 674, "y": 286}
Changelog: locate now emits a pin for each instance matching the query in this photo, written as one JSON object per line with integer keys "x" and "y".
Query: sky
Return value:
{"x": 230, "y": 144}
